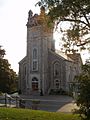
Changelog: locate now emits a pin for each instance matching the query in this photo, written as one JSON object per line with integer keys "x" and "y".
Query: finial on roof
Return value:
{"x": 30, "y": 13}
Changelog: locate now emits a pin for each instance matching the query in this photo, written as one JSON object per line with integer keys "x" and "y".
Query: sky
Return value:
{"x": 13, "y": 30}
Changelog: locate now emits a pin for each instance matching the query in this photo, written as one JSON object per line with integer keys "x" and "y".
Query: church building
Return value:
{"x": 43, "y": 68}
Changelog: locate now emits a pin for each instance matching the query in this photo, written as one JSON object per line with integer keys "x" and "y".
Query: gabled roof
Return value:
{"x": 23, "y": 60}
{"x": 63, "y": 55}
{"x": 75, "y": 57}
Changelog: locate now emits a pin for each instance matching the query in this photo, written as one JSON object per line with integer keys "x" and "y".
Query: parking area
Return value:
{"x": 52, "y": 103}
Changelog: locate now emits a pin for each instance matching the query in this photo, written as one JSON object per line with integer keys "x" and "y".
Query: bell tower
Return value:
{"x": 39, "y": 42}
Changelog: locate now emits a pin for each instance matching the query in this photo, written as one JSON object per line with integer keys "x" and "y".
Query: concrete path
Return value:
{"x": 68, "y": 108}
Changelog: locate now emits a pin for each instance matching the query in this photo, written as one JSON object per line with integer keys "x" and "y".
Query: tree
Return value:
{"x": 77, "y": 15}
{"x": 7, "y": 76}
{"x": 2, "y": 52}
{"x": 83, "y": 99}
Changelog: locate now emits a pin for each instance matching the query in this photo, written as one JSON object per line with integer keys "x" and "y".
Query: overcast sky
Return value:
{"x": 13, "y": 19}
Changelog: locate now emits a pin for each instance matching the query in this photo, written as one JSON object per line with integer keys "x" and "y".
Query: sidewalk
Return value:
{"x": 68, "y": 108}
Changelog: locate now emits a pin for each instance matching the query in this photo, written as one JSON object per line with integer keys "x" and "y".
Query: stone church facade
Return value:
{"x": 43, "y": 68}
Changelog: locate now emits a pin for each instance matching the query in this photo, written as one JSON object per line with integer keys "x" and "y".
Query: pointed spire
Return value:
{"x": 30, "y": 14}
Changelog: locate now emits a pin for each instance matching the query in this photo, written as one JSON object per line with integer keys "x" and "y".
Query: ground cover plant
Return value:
{"x": 27, "y": 114}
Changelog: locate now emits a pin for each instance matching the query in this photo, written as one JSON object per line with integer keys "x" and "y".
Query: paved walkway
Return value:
{"x": 53, "y": 103}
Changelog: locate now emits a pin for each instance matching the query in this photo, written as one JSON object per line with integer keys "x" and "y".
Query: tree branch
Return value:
{"x": 86, "y": 42}
{"x": 74, "y": 20}
{"x": 82, "y": 10}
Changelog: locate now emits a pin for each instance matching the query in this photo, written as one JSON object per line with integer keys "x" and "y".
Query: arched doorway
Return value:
{"x": 34, "y": 84}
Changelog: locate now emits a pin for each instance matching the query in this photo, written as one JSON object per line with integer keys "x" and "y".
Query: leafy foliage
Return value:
{"x": 77, "y": 15}
{"x": 7, "y": 76}
{"x": 2, "y": 52}
{"x": 83, "y": 100}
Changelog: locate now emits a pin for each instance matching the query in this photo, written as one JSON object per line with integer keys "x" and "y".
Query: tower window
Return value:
{"x": 35, "y": 65}
{"x": 35, "y": 59}
{"x": 34, "y": 53}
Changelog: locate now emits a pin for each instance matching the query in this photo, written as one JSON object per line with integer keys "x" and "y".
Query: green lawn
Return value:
{"x": 27, "y": 114}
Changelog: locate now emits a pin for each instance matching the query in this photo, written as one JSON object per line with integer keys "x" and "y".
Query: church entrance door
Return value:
{"x": 34, "y": 84}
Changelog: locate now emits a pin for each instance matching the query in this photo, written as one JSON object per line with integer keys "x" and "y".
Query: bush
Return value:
{"x": 58, "y": 92}
{"x": 1, "y": 93}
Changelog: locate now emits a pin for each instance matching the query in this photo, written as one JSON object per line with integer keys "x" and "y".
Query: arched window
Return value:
{"x": 56, "y": 69}
{"x": 34, "y": 84}
{"x": 35, "y": 60}
{"x": 35, "y": 53}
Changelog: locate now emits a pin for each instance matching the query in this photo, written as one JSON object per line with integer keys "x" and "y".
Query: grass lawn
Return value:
{"x": 27, "y": 114}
